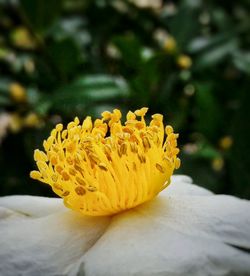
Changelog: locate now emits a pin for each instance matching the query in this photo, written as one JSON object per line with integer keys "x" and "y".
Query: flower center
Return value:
{"x": 107, "y": 167}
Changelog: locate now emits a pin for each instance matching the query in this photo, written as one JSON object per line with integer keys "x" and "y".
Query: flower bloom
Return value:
{"x": 101, "y": 169}
{"x": 186, "y": 230}
{"x": 18, "y": 92}
{"x": 105, "y": 167}
{"x": 184, "y": 62}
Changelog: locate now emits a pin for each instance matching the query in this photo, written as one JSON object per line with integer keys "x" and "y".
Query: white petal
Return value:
{"x": 175, "y": 235}
{"x": 179, "y": 233}
{"x": 46, "y": 244}
{"x": 34, "y": 206}
{"x": 182, "y": 185}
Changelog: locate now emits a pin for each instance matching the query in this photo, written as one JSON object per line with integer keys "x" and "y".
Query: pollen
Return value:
{"x": 104, "y": 167}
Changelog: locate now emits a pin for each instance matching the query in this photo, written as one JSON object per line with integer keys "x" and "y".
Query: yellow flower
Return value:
{"x": 226, "y": 142}
{"x": 5, "y": 120}
{"x": 16, "y": 122}
{"x": 22, "y": 38}
{"x": 218, "y": 164}
{"x": 32, "y": 120}
{"x": 105, "y": 167}
{"x": 184, "y": 62}
{"x": 18, "y": 92}
{"x": 169, "y": 45}
{"x": 153, "y": 4}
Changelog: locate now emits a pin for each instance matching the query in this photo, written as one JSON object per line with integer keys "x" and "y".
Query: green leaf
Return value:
{"x": 214, "y": 55}
{"x": 65, "y": 55}
{"x": 206, "y": 151}
{"x": 184, "y": 25}
{"x": 95, "y": 110}
{"x": 130, "y": 48}
{"x": 86, "y": 91}
{"x": 4, "y": 86}
{"x": 202, "y": 44}
{"x": 201, "y": 172}
{"x": 207, "y": 110}
{"x": 42, "y": 108}
{"x": 41, "y": 14}
{"x": 4, "y": 100}
{"x": 241, "y": 61}
{"x": 239, "y": 158}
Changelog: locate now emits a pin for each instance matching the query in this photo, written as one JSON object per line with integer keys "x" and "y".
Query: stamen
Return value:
{"x": 80, "y": 181}
{"x": 159, "y": 168}
{"x": 102, "y": 166}
{"x": 66, "y": 193}
{"x": 80, "y": 191}
{"x": 100, "y": 175}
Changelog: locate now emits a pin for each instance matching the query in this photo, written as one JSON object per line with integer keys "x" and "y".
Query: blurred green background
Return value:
{"x": 189, "y": 60}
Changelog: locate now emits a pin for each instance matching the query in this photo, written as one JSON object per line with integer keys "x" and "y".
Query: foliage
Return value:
{"x": 189, "y": 61}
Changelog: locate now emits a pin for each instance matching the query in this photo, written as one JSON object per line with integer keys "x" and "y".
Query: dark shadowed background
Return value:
{"x": 189, "y": 60}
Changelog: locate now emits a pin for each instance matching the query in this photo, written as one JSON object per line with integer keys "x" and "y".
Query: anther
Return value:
{"x": 72, "y": 171}
{"x": 35, "y": 175}
{"x": 53, "y": 160}
{"x": 94, "y": 158}
{"x": 64, "y": 133}
{"x": 70, "y": 160}
{"x": 102, "y": 166}
{"x": 177, "y": 163}
{"x": 92, "y": 189}
{"x": 78, "y": 168}
{"x": 168, "y": 130}
{"x": 71, "y": 125}
{"x": 71, "y": 147}
{"x": 40, "y": 156}
{"x": 123, "y": 148}
{"x": 54, "y": 177}
{"x": 106, "y": 115}
{"x": 59, "y": 168}
{"x": 133, "y": 147}
{"x": 159, "y": 168}
{"x": 42, "y": 166}
{"x": 157, "y": 117}
{"x": 80, "y": 181}
{"x": 131, "y": 116}
{"x": 146, "y": 143}
{"x": 141, "y": 112}
{"x": 76, "y": 121}
{"x": 66, "y": 193}
{"x": 58, "y": 186}
{"x": 59, "y": 127}
{"x": 128, "y": 130}
{"x": 80, "y": 191}
{"x": 141, "y": 158}
{"x": 65, "y": 176}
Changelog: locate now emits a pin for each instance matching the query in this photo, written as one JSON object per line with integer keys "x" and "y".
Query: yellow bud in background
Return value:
{"x": 17, "y": 92}
{"x": 29, "y": 66}
{"x": 226, "y": 142}
{"x": 153, "y": 4}
{"x": 32, "y": 120}
{"x": 169, "y": 45}
{"x": 22, "y": 38}
{"x": 217, "y": 164}
{"x": 4, "y": 124}
{"x": 184, "y": 62}
{"x": 16, "y": 123}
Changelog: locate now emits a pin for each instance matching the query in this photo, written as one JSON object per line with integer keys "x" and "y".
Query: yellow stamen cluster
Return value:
{"x": 106, "y": 167}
